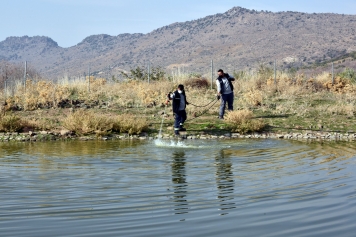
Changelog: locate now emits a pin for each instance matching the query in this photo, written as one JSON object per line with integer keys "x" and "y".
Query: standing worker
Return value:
{"x": 225, "y": 92}
{"x": 179, "y": 104}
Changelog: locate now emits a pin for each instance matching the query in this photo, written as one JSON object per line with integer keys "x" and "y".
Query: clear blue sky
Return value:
{"x": 69, "y": 21}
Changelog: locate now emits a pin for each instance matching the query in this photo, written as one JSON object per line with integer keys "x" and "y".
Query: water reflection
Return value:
{"x": 224, "y": 181}
{"x": 64, "y": 149}
{"x": 179, "y": 182}
{"x": 119, "y": 188}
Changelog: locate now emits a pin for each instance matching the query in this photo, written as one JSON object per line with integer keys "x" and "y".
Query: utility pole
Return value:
{"x": 332, "y": 72}
{"x": 212, "y": 73}
{"x": 149, "y": 72}
{"x": 89, "y": 78}
{"x": 25, "y": 76}
{"x": 275, "y": 74}
{"x": 5, "y": 86}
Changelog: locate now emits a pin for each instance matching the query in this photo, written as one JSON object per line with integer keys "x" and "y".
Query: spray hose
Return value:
{"x": 204, "y": 112}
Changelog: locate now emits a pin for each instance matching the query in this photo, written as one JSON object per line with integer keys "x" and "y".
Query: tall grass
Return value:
{"x": 289, "y": 93}
{"x": 84, "y": 122}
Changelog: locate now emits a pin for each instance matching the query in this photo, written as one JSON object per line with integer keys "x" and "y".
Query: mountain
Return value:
{"x": 238, "y": 39}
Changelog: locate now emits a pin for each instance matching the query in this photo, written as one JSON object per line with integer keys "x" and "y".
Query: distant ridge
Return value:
{"x": 238, "y": 39}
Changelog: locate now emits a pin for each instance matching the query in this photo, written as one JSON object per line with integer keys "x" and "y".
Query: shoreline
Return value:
{"x": 67, "y": 136}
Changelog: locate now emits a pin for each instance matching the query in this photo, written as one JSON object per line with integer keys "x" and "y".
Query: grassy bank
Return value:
{"x": 289, "y": 103}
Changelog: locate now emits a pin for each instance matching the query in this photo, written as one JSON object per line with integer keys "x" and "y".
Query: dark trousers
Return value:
{"x": 179, "y": 119}
{"x": 229, "y": 98}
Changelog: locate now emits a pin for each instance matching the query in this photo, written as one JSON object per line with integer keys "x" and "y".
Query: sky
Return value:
{"x": 68, "y": 22}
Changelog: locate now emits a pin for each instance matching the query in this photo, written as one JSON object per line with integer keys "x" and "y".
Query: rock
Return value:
{"x": 43, "y": 132}
{"x": 64, "y": 132}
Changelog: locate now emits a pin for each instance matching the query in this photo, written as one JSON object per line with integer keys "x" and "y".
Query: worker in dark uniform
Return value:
{"x": 179, "y": 103}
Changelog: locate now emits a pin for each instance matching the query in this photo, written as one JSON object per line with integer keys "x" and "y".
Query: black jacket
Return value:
{"x": 176, "y": 101}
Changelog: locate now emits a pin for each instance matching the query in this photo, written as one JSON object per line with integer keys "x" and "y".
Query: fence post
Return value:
{"x": 212, "y": 73}
{"x": 25, "y": 76}
{"x": 89, "y": 78}
{"x": 149, "y": 72}
{"x": 332, "y": 72}
{"x": 5, "y": 88}
{"x": 275, "y": 74}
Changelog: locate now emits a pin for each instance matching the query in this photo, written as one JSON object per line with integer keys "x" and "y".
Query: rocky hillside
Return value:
{"x": 236, "y": 40}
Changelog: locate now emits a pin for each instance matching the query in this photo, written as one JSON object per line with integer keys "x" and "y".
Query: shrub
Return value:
{"x": 86, "y": 122}
{"x": 11, "y": 123}
{"x": 129, "y": 124}
{"x": 242, "y": 121}
{"x": 198, "y": 82}
{"x": 141, "y": 73}
{"x": 349, "y": 73}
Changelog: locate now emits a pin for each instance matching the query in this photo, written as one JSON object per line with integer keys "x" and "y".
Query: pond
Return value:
{"x": 190, "y": 188}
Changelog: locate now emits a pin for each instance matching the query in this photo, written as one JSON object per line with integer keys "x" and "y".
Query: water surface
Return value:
{"x": 193, "y": 188}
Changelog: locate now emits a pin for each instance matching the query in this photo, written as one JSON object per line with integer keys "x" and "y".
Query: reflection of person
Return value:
{"x": 225, "y": 91}
{"x": 179, "y": 181}
{"x": 179, "y": 103}
{"x": 224, "y": 181}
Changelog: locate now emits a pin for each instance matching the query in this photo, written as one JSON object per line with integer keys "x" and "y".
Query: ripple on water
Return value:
{"x": 190, "y": 188}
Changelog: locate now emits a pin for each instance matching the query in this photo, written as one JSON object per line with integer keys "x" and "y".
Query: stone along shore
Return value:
{"x": 67, "y": 135}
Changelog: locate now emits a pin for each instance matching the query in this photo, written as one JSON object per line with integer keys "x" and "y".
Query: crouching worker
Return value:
{"x": 179, "y": 102}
